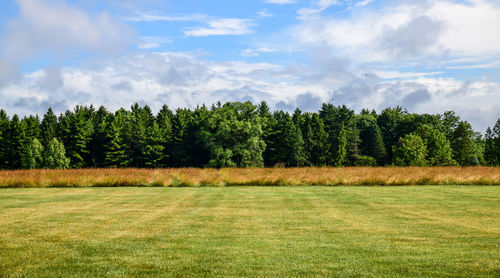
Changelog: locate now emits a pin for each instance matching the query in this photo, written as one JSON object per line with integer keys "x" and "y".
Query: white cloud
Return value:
{"x": 411, "y": 29}
{"x": 253, "y": 52}
{"x": 153, "y": 42}
{"x": 265, "y": 13}
{"x": 187, "y": 80}
{"x": 56, "y": 27}
{"x": 364, "y": 3}
{"x": 152, "y": 17}
{"x": 8, "y": 72}
{"x": 224, "y": 26}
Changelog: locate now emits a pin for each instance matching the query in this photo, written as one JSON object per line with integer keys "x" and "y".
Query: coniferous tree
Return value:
{"x": 371, "y": 138}
{"x": 32, "y": 125}
{"x": 496, "y": 140}
{"x": 463, "y": 144}
{"x": 48, "y": 127}
{"x": 54, "y": 156}
{"x": 165, "y": 122}
{"x": 76, "y": 132}
{"x": 15, "y": 140}
{"x": 32, "y": 156}
{"x": 117, "y": 149}
{"x": 4, "y": 138}
{"x": 155, "y": 146}
{"x": 490, "y": 150}
{"x": 98, "y": 141}
{"x": 268, "y": 131}
{"x": 390, "y": 122}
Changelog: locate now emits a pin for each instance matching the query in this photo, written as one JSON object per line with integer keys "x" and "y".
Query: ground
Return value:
{"x": 411, "y": 231}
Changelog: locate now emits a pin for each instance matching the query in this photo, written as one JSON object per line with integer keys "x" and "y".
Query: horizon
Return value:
{"x": 426, "y": 56}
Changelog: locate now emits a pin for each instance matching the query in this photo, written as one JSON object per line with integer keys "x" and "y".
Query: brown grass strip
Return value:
{"x": 312, "y": 176}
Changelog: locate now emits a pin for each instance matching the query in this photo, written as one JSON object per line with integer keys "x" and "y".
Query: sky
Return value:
{"x": 427, "y": 56}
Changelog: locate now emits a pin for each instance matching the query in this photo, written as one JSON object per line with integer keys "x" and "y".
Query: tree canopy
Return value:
{"x": 241, "y": 134}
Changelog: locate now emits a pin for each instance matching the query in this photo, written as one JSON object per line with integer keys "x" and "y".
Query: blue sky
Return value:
{"x": 428, "y": 56}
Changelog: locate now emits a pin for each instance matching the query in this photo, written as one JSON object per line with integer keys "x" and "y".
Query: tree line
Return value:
{"x": 241, "y": 134}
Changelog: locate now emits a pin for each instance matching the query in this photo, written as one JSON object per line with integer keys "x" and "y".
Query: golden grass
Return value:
{"x": 252, "y": 176}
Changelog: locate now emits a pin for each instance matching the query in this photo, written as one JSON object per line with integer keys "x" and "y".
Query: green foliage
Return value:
{"x": 155, "y": 146}
{"x": 410, "y": 151}
{"x": 371, "y": 138}
{"x": 116, "y": 149}
{"x": 240, "y": 134}
{"x": 235, "y": 136}
{"x": 32, "y": 156}
{"x": 463, "y": 145}
{"x": 54, "y": 156}
{"x": 439, "y": 152}
{"x": 76, "y": 130}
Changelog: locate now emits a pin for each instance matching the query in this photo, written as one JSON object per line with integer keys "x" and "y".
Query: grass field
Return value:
{"x": 251, "y": 176}
{"x": 408, "y": 231}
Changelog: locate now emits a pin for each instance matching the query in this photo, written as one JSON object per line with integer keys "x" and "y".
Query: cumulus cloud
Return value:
{"x": 406, "y": 30}
{"x": 8, "y": 72}
{"x": 56, "y": 27}
{"x": 187, "y": 80}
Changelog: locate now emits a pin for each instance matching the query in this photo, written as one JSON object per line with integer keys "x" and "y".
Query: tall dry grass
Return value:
{"x": 251, "y": 176}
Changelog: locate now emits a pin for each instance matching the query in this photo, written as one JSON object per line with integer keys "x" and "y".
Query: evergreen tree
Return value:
{"x": 268, "y": 131}
{"x": 390, "y": 122}
{"x": 288, "y": 142}
{"x": 98, "y": 141}
{"x": 463, "y": 145}
{"x": 48, "y": 127}
{"x": 490, "y": 150}
{"x": 371, "y": 138}
{"x": 15, "y": 140}
{"x": 32, "y": 125}
{"x": 496, "y": 140}
{"x": 116, "y": 148}
{"x": 32, "y": 156}
{"x": 154, "y": 146}
{"x": 76, "y": 132}
{"x": 410, "y": 151}
{"x": 54, "y": 156}
{"x": 4, "y": 138}
{"x": 165, "y": 122}
{"x": 339, "y": 126}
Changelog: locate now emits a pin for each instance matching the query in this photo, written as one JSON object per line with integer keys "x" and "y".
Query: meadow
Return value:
{"x": 350, "y": 231}
{"x": 314, "y": 176}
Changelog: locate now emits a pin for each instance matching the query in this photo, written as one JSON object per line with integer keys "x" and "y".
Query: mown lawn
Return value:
{"x": 251, "y": 231}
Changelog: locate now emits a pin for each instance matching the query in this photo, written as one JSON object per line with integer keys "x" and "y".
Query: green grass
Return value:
{"x": 251, "y": 231}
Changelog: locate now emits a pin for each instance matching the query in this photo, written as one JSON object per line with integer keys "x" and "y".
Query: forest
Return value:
{"x": 241, "y": 134}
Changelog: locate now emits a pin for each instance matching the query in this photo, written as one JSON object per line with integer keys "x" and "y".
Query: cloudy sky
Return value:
{"x": 428, "y": 56}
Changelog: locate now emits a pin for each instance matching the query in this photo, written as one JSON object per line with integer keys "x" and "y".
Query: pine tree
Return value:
{"x": 490, "y": 154}
{"x": 4, "y": 129}
{"x": 154, "y": 146}
{"x": 15, "y": 140}
{"x": 54, "y": 156}
{"x": 116, "y": 148}
{"x": 32, "y": 156}
{"x": 165, "y": 122}
{"x": 371, "y": 138}
{"x": 48, "y": 127}
{"x": 76, "y": 132}
{"x": 463, "y": 144}
{"x": 496, "y": 140}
